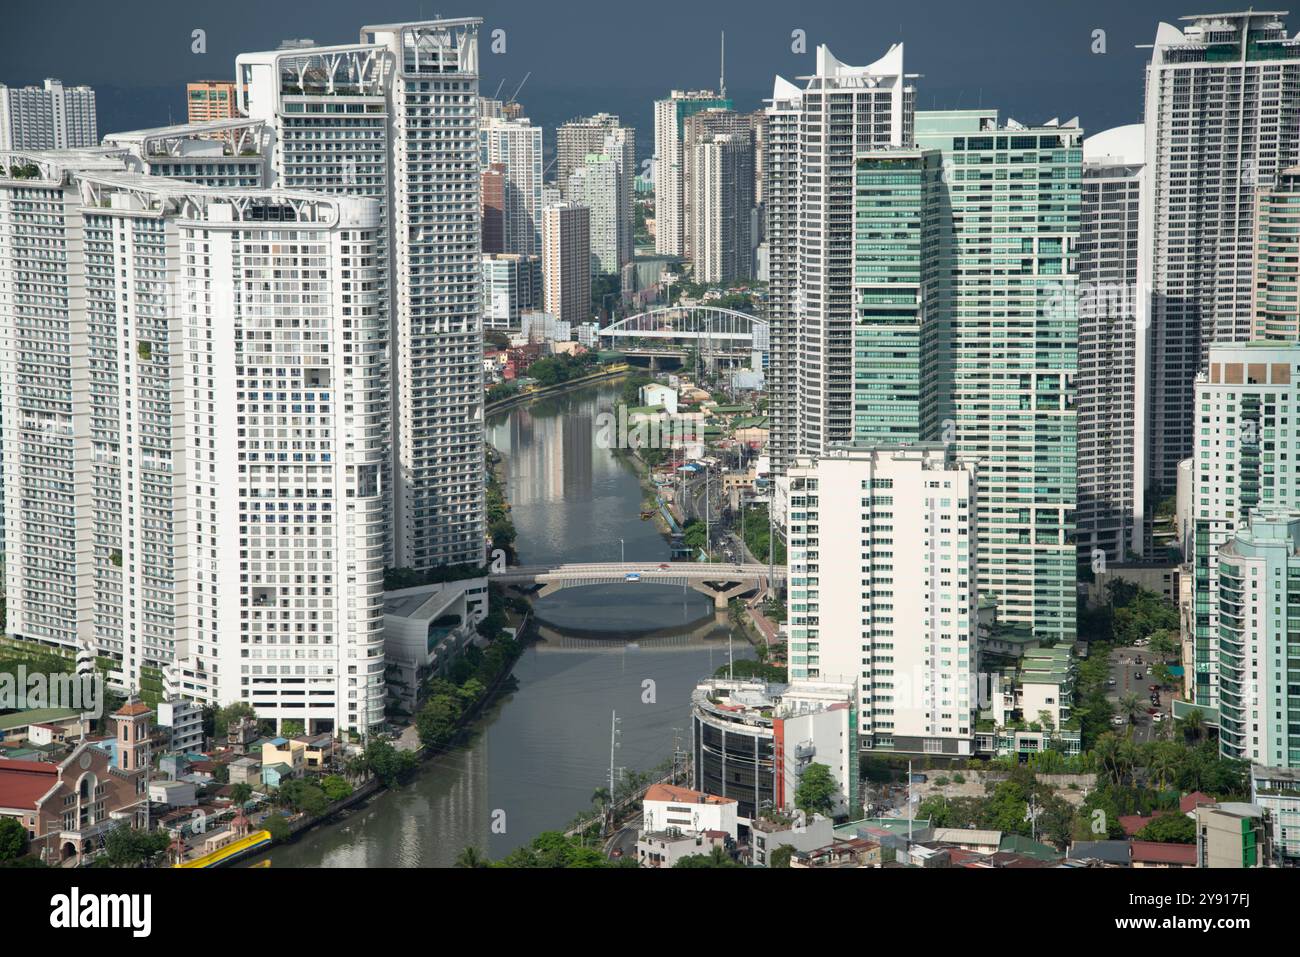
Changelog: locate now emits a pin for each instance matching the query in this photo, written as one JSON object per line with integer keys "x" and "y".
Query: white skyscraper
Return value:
{"x": 720, "y": 207}
{"x": 216, "y": 407}
{"x": 1221, "y": 124}
{"x": 396, "y": 116}
{"x": 1111, "y": 382}
{"x": 595, "y": 184}
{"x": 49, "y": 117}
{"x": 517, "y": 145}
{"x": 669, "y": 165}
{"x": 883, "y": 593}
{"x": 1247, "y": 431}
{"x": 842, "y": 111}
{"x": 602, "y": 133}
{"x": 512, "y": 285}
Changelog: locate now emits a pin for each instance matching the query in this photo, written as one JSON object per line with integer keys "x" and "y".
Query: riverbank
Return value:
{"x": 532, "y": 393}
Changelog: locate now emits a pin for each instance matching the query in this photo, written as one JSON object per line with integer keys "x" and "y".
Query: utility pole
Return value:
{"x": 909, "y": 804}
{"x": 613, "y": 745}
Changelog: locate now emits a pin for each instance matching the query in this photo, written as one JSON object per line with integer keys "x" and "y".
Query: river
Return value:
{"x": 536, "y": 758}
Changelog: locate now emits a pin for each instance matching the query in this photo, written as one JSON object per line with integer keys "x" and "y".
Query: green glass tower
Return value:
{"x": 966, "y": 331}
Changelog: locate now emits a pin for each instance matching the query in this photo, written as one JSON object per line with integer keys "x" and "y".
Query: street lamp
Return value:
{"x": 621, "y": 559}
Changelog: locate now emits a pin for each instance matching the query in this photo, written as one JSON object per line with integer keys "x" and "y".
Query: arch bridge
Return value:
{"x": 718, "y": 334}
{"x": 720, "y": 582}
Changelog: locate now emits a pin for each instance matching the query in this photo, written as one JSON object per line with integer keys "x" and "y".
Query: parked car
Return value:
{"x": 1119, "y": 721}
{"x": 1158, "y": 717}
{"x": 1111, "y": 681}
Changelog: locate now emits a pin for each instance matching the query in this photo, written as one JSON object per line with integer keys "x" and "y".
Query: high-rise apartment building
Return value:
{"x": 210, "y": 100}
{"x": 227, "y": 154}
{"x": 605, "y": 134}
{"x": 566, "y": 262}
{"x": 211, "y": 389}
{"x": 720, "y": 206}
{"x": 516, "y": 145}
{"x": 512, "y": 285}
{"x": 492, "y": 204}
{"x": 396, "y": 116}
{"x": 696, "y": 129}
{"x": 883, "y": 590}
{"x": 1247, "y": 432}
{"x": 897, "y": 346}
{"x": 1277, "y": 261}
{"x": 1259, "y": 622}
{"x": 781, "y": 232}
{"x": 814, "y": 138}
{"x": 1221, "y": 124}
{"x": 1004, "y": 390}
{"x": 669, "y": 164}
{"x": 1111, "y": 383}
{"x": 47, "y": 117}
{"x": 595, "y": 184}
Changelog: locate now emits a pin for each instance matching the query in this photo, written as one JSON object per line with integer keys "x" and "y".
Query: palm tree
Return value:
{"x": 1163, "y": 762}
{"x": 1192, "y": 725}
{"x": 472, "y": 859}
{"x": 1130, "y": 705}
{"x": 241, "y": 794}
{"x": 1107, "y": 752}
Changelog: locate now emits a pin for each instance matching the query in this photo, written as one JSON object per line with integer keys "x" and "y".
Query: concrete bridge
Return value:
{"x": 721, "y": 582}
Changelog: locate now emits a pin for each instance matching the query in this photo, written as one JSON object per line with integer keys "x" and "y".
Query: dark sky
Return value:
{"x": 1029, "y": 58}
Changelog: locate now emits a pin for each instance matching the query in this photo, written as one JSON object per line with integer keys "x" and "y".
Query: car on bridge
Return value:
{"x": 631, "y": 577}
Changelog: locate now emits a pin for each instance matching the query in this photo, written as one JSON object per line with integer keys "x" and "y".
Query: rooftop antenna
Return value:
{"x": 722, "y": 70}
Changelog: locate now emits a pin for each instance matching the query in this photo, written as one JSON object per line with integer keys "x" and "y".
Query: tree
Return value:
{"x": 781, "y": 856}
{"x": 13, "y": 839}
{"x": 1170, "y": 829}
{"x": 1192, "y": 725}
{"x": 336, "y": 788}
{"x": 816, "y": 791}
{"x": 241, "y": 794}
{"x": 278, "y": 828}
{"x": 718, "y": 857}
{"x": 1130, "y": 705}
{"x": 223, "y": 718}
{"x": 472, "y": 857}
{"x": 129, "y": 847}
{"x": 437, "y": 720}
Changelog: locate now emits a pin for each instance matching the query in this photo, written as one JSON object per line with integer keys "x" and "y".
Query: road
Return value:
{"x": 1124, "y": 671}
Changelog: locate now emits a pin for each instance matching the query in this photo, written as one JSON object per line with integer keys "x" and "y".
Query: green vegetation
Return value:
{"x": 25, "y": 171}
{"x": 278, "y": 827}
{"x": 717, "y": 857}
{"x": 748, "y": 668}
{"x": 756, "y": 534}
{"x": 816, "y": 791}
{"x": 388, "y": 764}
{"x": 129, "y": 847}
{"x": 13, "y": 839}
{"x": 303, "y": 797}
{"x": 502, "y": 390}
{"x": 780, "y": 858}
{"x": 396, "y": 579}
{"x": 550, "y": 849}
{"x": 554, "y": 370}
{"x": 1170, "y": 829}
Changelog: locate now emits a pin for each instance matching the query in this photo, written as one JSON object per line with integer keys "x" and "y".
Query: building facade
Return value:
{"x": 883, "y": 590}
{"x": 566, "y": 262}
{"x": 669, "y": 164}
{"x": 47, "y": 117}
{"x": 512, "y": 286}
{"x": 1220, "y": 125}
{"x": 516, "y": 146}
{"x": 210, "y": 100}
{"x": 604, "y": 134}
{"x": 1246, "y": 414}
{"x": 595, "y": 185}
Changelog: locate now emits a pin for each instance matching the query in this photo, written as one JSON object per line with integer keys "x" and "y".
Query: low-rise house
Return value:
{"x": 246, "y": 770}
{"x": 1109, "y": 853}
{"x": 969, "y": 839}
{"x": 851, "y": 853}
{"x": 285, "y": 751}
{"x": 273, "y": 775}
{"x": 1233, "y": 835}
{"x": 1159, "y": 854}
{"x": 1027, "y": 847}
{"x": 667, "y": 807}
{"x": 173, "y": 793}
{"x": 17, "y": 728}
{"x": 241, "y": 734}
{"x": 318, "y": 750}
{"x": 666, "y": 848}
{"x": 769, "y": 833}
